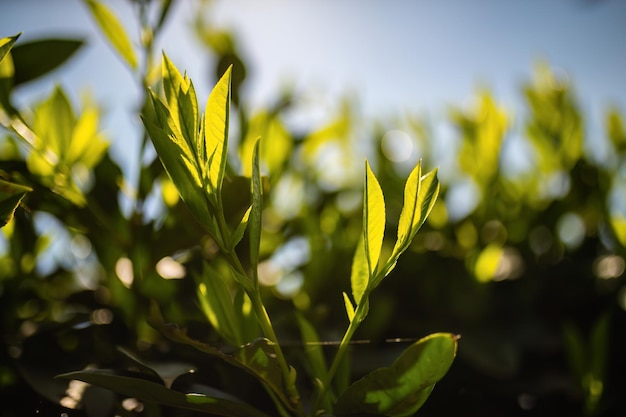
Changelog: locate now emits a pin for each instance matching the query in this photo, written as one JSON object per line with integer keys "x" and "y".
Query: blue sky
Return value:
{"x": 394, "y": 56}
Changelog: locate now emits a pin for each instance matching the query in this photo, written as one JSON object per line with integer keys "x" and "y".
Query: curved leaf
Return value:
{"x": 223, "y": 405}
{"x": 37, "y": 58}
{"x": 373, "y": 219}
{"x": 401, "y": 389}
{"x": 113, "y": 30}
{"x": 6, "y": 44}
{"x": 216, "y": 129}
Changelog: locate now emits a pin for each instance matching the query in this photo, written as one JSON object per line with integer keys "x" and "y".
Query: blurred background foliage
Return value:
{"x": 525, "y": 261}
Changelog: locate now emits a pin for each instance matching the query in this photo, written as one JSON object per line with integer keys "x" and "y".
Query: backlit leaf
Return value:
{"x": 216, "y": 129}
{"x": 113, "y": 30}
{"x": 6, "y": 44}
{"x": 373, "y": 219}
{"x": 420, "y": 195}
{"x": 359, "y": 277}
{"x": 349, "y": 307}
{"x": 183, "y": 106}
{"x": 401, "y": 389}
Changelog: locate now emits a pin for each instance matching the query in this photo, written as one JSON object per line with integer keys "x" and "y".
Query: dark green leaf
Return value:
{"x": 10, "y": 197}
{"x": 136, "y": 387}
{"x": 260, "y": 356}
{"x": 37, "y": 58}
{"x": 401, "y": 389}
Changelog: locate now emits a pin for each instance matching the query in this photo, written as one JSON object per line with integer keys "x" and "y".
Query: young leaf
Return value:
{"x": 137, "y": 387}
{"x": 178, "y": 159}
{"x": 420, "y": 194}
{"x": 183, "y": 106}
{"x": 373, "y": 219}
{"x": 216, "y": 129}
{"x": 359, "y": 278}
{"x": 349, "y": 307}
{"x": 6, "y": 44}
{"x": 113, "y": 30}
{"x": 256, "y": 212}
{"x": 401, "y": 389}
{"x": 37, "y": 58}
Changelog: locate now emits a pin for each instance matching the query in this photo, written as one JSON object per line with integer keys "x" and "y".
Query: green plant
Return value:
{"x": 193, "y": 149}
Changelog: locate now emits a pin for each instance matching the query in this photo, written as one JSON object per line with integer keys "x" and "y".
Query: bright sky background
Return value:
{"x": 395, "y": 56}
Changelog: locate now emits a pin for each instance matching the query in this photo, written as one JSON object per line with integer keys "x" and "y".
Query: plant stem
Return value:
{"x": 359, "y": 316}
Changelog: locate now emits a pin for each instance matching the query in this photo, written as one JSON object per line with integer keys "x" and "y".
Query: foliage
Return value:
{"x": 263, "y": 221}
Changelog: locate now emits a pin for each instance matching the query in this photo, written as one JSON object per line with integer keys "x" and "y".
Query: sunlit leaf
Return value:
{"x": 37, "y": 58}
{"x": 183, "y": 107}
{"x": 6, "y": 44}
{"x": 373, "y": 219}
{"x": 216, "y": 129}
{"x": 113, "y": 30}
{"x": 420, "y": 195}
{"x": 359, "y": 277}
{"x": 178, "y": 159}
{"x": 401, "y": 389}
{"x": 136, "y": 387}
{"x": 349, "y": 306}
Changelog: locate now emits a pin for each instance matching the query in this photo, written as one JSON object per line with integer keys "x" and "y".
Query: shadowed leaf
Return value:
{"x": 37, "y": 58}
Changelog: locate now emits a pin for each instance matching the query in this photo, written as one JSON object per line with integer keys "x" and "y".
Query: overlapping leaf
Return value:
{"x": 193, "y": 150}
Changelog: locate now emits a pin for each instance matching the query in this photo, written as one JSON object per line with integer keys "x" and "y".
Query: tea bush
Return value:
{"x": 240, "y": 280}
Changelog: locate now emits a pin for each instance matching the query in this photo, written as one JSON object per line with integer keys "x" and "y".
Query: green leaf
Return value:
{"x": 256, "y": 213}
{"x": 6, "y": 44}
{"x": 260, "y": 356}
{"x": 349, "y": 307}
{"x": 359, "y": 277}
{"x": 37, "y": 58}
{"x": 373, "y": 219}
{"x": 178, "y": 159}
{"x": 11, "y": 195}
{"x": 216, "y": 129}
{"x": 136, "y": 387}
{"x": 217, "y": 305}
{"x": 400, "y": 390}
{"x": 260, "y": 367}
{"x": 113, "y": 30}
{"x": 420, "y": 195}
{"x": 183, "y": 107}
